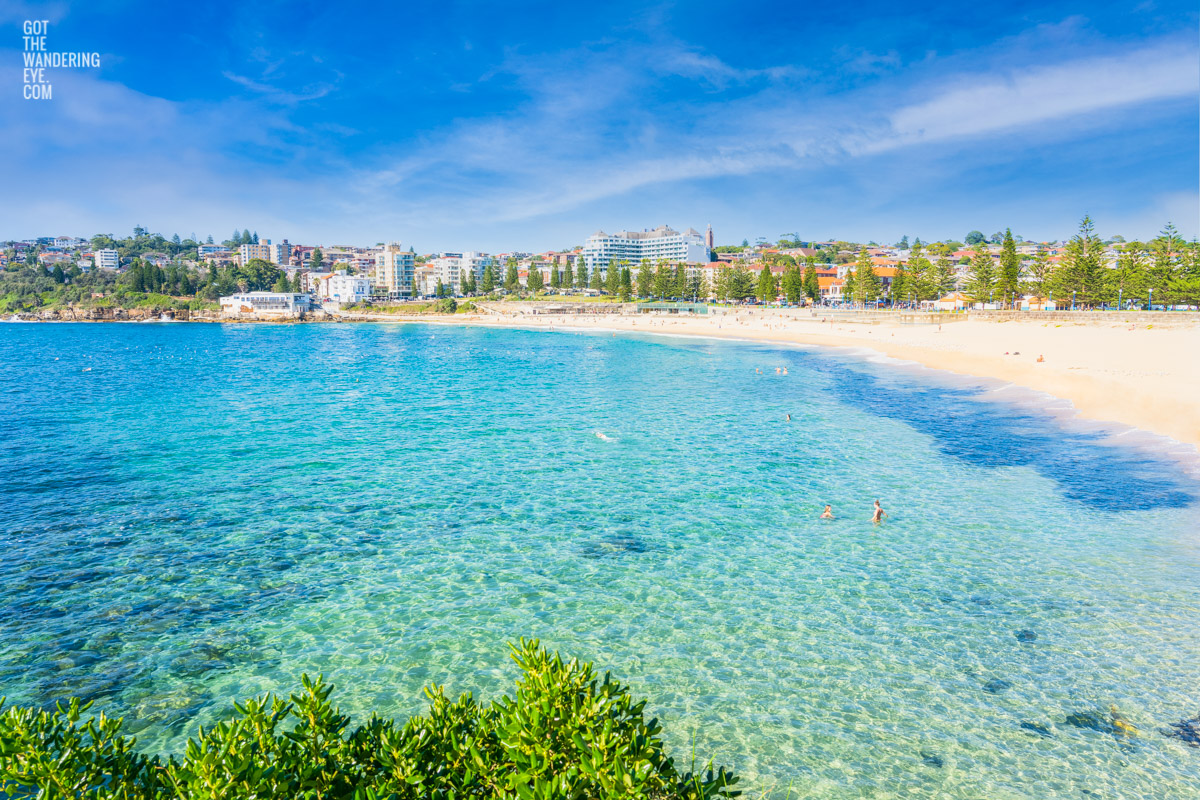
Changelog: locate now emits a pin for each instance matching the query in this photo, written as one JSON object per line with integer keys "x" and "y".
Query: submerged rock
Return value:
{"x": 996, "y": 686}
{"x": 615, "y": 545}
{"x": 1187, "y": 730}
{"x": 1112, "y": 723}
{"x": 1026, "y": 635}
{"x": 1037, "y": 728}
{"x": 932, "y": 760}
{"x": 1092, "y": 721}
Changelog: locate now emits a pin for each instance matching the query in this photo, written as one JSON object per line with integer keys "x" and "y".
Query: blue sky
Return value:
{"x": 522, "y": 125}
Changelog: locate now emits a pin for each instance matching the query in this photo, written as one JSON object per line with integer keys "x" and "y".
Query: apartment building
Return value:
{"x": 246, "y": 252}
{"x": 394, "y": 269}
{"x": 107, "y": 259}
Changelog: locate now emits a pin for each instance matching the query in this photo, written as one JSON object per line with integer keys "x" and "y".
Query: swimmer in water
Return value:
{"x": 789, "y": 417}
{"x": 828, "y": 512}
{"x": 879, "y": 514}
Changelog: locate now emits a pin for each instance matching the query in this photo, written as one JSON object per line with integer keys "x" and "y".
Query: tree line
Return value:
{"x": 1166, "y": 268}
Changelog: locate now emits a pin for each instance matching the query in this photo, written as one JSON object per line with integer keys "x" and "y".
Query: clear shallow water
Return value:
{"x": 211, "y": 510}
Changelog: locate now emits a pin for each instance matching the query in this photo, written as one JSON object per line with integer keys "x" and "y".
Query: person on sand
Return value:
{"x": 828, "y": 512}
{"x": 879, "y": 514}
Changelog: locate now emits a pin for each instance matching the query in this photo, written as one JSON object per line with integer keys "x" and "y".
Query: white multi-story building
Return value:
{"x": 343, "y": 288}
{"x": 394, "y": 269}
{"x": 425, "y": 276}
{"x": 206, "y": 250}
{"x": 661, "y": 244}
{"x": 107, "y": 259}
{"x": 317, "y": 283}
{"x": 449, "y": 268}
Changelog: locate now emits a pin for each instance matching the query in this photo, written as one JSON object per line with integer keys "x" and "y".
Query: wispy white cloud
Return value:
{"x": 976, "y": 105}
{"x": 509, "y": 162}
{"x": 17, "y": 11}
{"x": 277, "y": 95}
{"x": 693, "y": 63}
{"x": 591, "y": 125}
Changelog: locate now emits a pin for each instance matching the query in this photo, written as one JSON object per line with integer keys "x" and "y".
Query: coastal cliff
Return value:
{"x": 155, "y": 313}
{"x": 102, "y": 314}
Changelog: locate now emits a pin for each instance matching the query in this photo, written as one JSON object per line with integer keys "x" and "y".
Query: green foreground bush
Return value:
{"x": 565, "y": 734}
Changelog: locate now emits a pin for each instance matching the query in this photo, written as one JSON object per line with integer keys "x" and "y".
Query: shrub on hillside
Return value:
{"x": 564, "y": 734}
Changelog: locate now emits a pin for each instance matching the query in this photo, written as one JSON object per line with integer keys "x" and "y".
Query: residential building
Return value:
{"x": 449, "y": 268}
{"x": 425, "y": 279}
{"x": 107, "y": 259}
{"x": 247, "y": 252}
{"x": 394, "y": 268}
{"x": 661, "y": 244}
{"x": 283, "y": 304}
{"x": 317, "y": 283}
{"x": 338, "y": 287}
{"x": 281, "y": 253}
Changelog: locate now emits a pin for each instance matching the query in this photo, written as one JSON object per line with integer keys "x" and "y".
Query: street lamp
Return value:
{"x": 1150, "y": 307}
{"x": 1120, "y": 292}
{"x": 1072, "y": 299}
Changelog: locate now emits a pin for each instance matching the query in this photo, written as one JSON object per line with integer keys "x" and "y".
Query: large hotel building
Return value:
{"x": 661, "y": 244}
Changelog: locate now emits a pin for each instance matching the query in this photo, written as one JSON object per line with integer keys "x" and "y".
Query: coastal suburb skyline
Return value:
{"x": 529, "y": 126}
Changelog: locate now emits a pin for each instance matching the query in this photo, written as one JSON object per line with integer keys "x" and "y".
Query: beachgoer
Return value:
{"x": 828, "y": 512}
{"x": 789, "y": 417}
{"x": 879, "y": 514}
{"x": 1040, "y": 359}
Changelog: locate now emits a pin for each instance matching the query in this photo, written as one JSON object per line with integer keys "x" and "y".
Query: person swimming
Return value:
{"x": 879, "y": 514}
{"x": 828, "y": 512}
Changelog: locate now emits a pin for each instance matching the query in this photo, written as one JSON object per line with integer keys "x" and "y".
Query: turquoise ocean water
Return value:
{"x": 195, "y": 513}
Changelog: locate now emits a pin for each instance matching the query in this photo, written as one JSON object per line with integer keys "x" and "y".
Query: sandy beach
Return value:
{"x": 1144, "y": 376}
